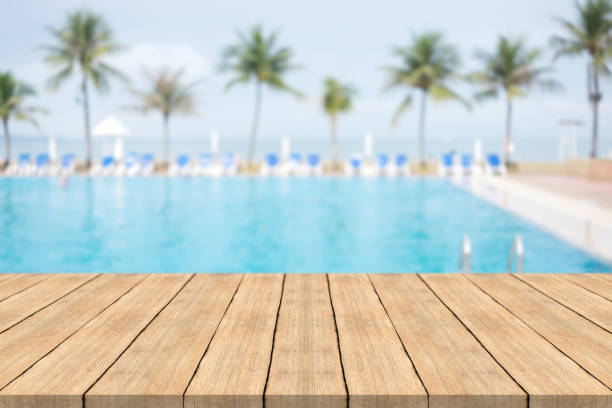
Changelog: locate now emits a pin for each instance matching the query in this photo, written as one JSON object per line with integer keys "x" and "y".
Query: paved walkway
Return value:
{"x": 599, "y": 192}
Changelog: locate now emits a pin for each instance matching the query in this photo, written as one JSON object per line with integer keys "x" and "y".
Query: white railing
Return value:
{"x": 516, "y": 251}
{"x": 466, "y": 254}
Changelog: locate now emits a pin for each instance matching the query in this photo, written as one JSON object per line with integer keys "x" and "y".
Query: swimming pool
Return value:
{"x": 263, "y": 225}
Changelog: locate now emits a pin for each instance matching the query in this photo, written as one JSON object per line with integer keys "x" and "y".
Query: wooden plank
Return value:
{"x": 34, "y": 298}
{"x": 234, "y": 370}
{"x": 588, "y": 345}
{"x": 455, "y": 369}
{"x": 5, "y": 276}
{"x": 29, "y": 341}
{"x": 19, "y": 283}
{"x": 177, "y": 338}
{"x": 377, "y": 369}
{"x": 551, "y": 379}
{"x": 306, "y": 370}
{"x": 61, "y": 378}
{"x": 595, "y": 283}
{"x": 591, "y": 306}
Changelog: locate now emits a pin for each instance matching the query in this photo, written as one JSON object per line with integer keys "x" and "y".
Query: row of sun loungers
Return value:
{"x": 42, "y": 165}
{"x": 464, "y": 165}
{"x": 226, "y": 165}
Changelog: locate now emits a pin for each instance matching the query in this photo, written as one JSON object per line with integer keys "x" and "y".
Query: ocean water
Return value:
{"x": 161, "y": 224}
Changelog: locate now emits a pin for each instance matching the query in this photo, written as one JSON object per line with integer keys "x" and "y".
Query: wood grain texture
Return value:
{"x": 592, "y": 306}
{"x": 551, "y": 379}
{"x": 306, "y": 370}
{"x": 234, "y": 370}
{"x": 588, "y": 345}
{"x": 155, "y": 371}
{"x": 377, "y": 370}
{"x": 455, "y": 369}
{"x": 18, "y": 283}
{"x": 62, "y": 377}
{"x": 5, "y": 276}
{"x": 595, "y": 283}
{"x": 23, "y": 345}
{"x": 29, "y": 301}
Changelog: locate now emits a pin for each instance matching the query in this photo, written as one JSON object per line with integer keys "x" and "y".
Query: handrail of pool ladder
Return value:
{"x": 466, "y": 254}
{"x": 516, "y": 251}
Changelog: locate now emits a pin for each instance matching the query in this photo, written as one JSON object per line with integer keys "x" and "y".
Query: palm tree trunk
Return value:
{"x": 508, "y": 135}
{"x": 251, "y": 151}
{"x": 595, "y": 97}
{"x": 7, "y": 143}
{"x": 166, "y": 139}
{"x": 334, "y": 144}
{"x": 422, "y": 127}
{"x": 87, "y": 124}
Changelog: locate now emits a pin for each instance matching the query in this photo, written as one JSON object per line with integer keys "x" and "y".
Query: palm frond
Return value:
{"x": 83, "y": 40}
{"x": 257, "y": 57}
{"x": 406, "y": 103}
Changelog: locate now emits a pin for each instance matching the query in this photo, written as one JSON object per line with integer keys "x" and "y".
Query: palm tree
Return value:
{"x": 168, "y": 94}
{"x": 257, "y": 57}
{"x": 426, "y": 65}
{"x": 591, "y": 34}
{"x": 512, "y": 69}
{"x": 84, "y": 41}
{"x": 337, "y": 99}
{"x": 12, "y": 96}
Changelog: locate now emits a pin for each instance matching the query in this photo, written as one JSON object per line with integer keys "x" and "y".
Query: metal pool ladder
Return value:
{"x": 516, "y": 251}
{"x": 466, "y": 254}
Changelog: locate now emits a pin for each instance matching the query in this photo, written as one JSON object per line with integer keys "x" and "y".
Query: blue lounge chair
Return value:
{"x": 270, "y": 165}
{"x": 383, "y": 162}
{"x": 272, "y": 160}
{"x": 313, "y": 162}
{"x": 205, "y": 160}
{"x": 132, "y": 164}
{"x": 146, "y": 163}
{"x": 495, "y": 166}
{"x": 447, "y": 164}
{"x": 42, "y": 164}
{"x": 24, "y": 167}
{"x": 229, "y": 164}
{"x": 181, "y": 165}
{"x": 467, "y": 163}
{"x": 68, "y": 163}
{"x": 354, "y": 166}
{"x": 401, "y": 160}
{"x": 108, "y": 165}
{"x": 295, "y": 158}
{"x": 204, "y": 165}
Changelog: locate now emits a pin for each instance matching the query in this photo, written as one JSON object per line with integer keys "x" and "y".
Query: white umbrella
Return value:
{"x": 478, "y": 151}
{"x": 110, "y": 127}
{"x": 52, "y": 149}
{"x": 118, "y": 149}
{"x": 285, "y": 149}
{"x": 368, "y": 145}
{"x": 214, "y": 142}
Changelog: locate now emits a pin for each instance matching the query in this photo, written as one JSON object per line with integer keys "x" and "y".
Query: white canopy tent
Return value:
{"x": 112, "y": 129}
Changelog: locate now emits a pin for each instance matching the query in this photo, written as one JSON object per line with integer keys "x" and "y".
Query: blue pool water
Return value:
{"x": 263, "y": 225}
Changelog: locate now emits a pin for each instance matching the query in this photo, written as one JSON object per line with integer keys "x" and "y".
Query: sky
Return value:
{"x": 347, "y": 39}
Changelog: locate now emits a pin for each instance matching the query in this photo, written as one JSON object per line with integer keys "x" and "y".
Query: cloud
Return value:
{"x": 151, "y": 57}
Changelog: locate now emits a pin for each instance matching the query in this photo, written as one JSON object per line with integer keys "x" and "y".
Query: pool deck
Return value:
{"x": 465, "y": 341}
